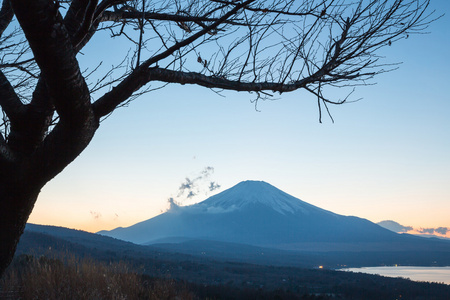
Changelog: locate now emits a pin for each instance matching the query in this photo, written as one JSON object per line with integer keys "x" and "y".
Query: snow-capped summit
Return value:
{"x": 251, "y": 192}
{"x": 255, "y": 213}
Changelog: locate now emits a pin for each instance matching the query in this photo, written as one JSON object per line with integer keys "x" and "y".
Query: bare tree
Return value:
{"x": 51, "y": 109}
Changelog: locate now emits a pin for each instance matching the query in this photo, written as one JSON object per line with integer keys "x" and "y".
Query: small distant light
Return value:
{"x": 320, "y": 267}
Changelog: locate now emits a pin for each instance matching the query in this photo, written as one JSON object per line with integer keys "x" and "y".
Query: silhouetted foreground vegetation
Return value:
{"x": 73, "y": 278}
{"x": 72, "y": 264}
{"x": 69, "y": 277}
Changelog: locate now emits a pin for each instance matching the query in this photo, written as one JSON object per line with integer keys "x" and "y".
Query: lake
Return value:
{"x": 432, "y": 274}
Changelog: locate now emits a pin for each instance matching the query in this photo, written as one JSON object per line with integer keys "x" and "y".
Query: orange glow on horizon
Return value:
{"x": 423, "y": 232}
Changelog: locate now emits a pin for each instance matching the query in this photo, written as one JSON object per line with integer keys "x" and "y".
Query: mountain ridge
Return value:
{"x": 257, "y": 192}
{"x": 254, "y": 213}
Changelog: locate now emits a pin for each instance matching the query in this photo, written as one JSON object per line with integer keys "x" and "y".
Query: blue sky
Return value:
{"x": 385, "y": 157}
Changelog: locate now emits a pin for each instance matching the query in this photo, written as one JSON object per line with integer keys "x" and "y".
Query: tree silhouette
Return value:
{"x": 51, "y": 109}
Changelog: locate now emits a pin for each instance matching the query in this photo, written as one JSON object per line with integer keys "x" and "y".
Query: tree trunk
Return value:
{"x": 16, "y": 204}
{"x": 22, "y": 179}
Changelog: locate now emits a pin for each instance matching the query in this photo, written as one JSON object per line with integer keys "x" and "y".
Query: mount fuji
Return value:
{"x": 256, "y": 213}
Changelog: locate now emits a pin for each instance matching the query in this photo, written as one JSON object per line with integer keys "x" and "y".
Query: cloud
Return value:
{"x": 96, "y": 215}
{"x": 207, "y": 171}
{"x": 173, "y": 205}
{"x": 201, "y": 208}
{"x": 442, "y": 230}
{"x": 187, "y": 185}
{"x": 213, "y": 186}
{"x": 220, "y": 210}
{"x": 192, "y": 187}
{"x": 426, "y": 230}
{"x": 394, "y": 226}
{"x": 438, "y": 231}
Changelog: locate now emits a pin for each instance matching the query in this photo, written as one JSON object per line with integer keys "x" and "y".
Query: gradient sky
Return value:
{"x": 386, "y": 157}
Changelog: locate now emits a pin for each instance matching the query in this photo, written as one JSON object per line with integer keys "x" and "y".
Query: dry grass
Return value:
{"x": 74, "y": 278}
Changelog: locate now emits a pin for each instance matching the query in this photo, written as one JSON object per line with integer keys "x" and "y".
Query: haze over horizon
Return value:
{"x": 386, "y": 157}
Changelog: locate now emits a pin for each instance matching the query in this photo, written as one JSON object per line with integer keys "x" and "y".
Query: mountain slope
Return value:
{"x": 255, "y": 213}
{"x": 257, "y": 193}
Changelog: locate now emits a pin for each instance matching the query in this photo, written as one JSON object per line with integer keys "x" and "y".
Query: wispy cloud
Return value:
{"x": 435, "y": 231}
{"x": 198, "y": 185}
{"x": 442, "y": 230}
{"x": 396, "y": 227}
{"x": 96, "y": 215}
{"x": 173, "y": 205}
{"x": 193, "y": 186}
{"x": 213, "y": 186}
{"x": 187, "y": 185}
{"x": 191, "y": 194}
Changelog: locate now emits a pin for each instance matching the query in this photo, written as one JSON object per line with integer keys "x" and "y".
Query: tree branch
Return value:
{"x": 85, "y": 26}
{"x": 158, "y": 74}
{"x": 9, "y": 101}
{"x": 120, "y": 16}
{"x": 6, "y": 15}
{"x": 55, "y": 56}
{"x": 195, "y": 36}
{"x": 7, "y": 157}
{"x": 104, "y": 5}
{"x": 75, "y": 16}
{"x": 316, "y": 10}
{"x": 107, "y": 103}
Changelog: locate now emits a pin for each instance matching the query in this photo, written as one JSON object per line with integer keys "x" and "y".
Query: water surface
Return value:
{"x": 431, "y": 274}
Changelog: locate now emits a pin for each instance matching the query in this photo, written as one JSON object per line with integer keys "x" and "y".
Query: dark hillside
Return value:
{"x": 206, "y": 277}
